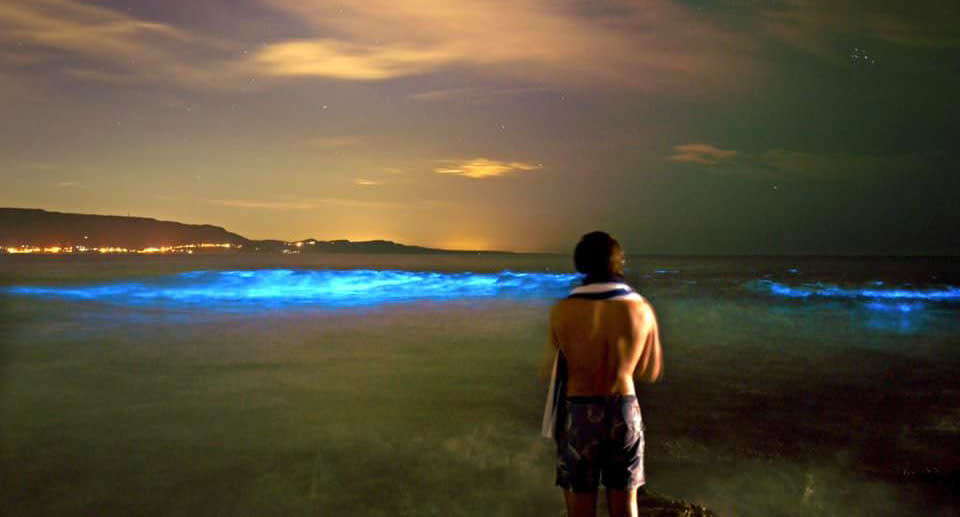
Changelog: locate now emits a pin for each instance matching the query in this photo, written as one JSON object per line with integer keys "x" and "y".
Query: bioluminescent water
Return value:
{"x": 947, "y": 294}
{"x": 250, "y": 289}
{"x": 902, "y": 308}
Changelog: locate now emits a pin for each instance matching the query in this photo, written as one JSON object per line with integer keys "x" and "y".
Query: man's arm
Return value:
{"x": 650, "y": 365}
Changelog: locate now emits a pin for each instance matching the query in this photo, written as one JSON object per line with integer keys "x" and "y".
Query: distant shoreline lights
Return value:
{"x": 151, "y": 250}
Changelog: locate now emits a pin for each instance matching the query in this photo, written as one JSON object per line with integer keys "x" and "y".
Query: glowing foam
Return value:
{"x": 895, "y": 307}
{"x": 338, "y": 288}
{"x": 818, "y": 290}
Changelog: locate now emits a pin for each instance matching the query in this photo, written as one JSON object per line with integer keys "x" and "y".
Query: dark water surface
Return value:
{"x": 255, "y": 385}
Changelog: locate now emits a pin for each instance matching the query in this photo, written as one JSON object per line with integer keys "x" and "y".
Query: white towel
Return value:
{"x": 550, "y": 408}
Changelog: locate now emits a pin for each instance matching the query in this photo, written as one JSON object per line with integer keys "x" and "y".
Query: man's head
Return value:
{"x": 599, "y": 256}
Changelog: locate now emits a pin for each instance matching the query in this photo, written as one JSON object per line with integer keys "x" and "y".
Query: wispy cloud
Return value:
{"x": 480, "y": 168}
{"x": 658, "y": 45}
{"x": 473, "y": 95}
{"x": 265, "y": 205}
{"x": 116, "y": 47}
{"x": 785, "y": 164}
{"x": 705, "y": 154}
{"x": 366, "y": 183}
{"x": 648, "y": 45}
{"x": 333, "y": 142}
{"x": 326, "y": 57}
{"x": 328, "y": 202}
{"x": 37, "y": 166}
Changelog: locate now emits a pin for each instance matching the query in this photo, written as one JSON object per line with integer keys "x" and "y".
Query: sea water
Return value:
{"x": 411, "y": 384}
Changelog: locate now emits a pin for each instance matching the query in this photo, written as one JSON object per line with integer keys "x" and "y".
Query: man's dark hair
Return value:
{"x": 599, "y": 256}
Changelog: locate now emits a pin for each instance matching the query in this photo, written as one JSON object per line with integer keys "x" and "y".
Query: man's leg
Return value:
{"x": 581, "y": 504}
{"x": 622, "y": 503}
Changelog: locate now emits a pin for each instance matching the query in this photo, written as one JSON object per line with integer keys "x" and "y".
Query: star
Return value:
{"x": 860, "y": 56}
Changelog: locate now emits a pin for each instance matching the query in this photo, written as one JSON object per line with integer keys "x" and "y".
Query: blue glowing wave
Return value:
{"x": 283, "y": 287}
{"x": 873, "y": 294}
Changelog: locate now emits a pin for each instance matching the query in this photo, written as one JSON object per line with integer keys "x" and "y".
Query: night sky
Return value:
{"x": 796, "y": 126}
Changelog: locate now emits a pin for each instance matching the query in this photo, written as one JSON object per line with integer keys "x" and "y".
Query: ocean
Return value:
{"x": 346, "y": 384}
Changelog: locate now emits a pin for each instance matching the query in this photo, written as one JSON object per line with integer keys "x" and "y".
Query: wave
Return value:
{"x": 309, "y": 287}
{"x": 873, "y": 292}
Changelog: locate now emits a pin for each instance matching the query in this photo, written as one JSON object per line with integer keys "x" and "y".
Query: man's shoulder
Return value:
{"x": 636, "y": 309}
{"x": 634, "y": 300}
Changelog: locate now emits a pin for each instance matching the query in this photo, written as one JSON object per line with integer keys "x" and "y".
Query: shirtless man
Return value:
{"x": 607, "y": 336}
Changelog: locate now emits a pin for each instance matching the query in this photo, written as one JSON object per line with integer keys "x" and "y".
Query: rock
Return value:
{"x": 652, "y": 504}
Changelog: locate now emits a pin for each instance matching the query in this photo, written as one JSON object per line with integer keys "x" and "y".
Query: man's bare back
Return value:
{"x": 606, "y": 343}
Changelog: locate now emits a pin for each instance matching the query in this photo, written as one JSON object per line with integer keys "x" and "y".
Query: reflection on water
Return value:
{"x": 126, "y": 389}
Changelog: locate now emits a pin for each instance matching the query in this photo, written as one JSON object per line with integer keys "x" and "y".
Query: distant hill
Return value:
{"x": 346, "y": 246}
{"x": 42, "y": 228}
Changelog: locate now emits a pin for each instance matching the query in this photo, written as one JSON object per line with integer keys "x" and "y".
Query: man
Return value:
{"x": 601, "y": 337}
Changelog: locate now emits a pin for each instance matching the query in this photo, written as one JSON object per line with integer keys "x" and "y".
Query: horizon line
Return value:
{"x": 807, "y": 254}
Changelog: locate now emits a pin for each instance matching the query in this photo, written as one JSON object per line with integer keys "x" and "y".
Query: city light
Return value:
{"x": 149, "y": 250}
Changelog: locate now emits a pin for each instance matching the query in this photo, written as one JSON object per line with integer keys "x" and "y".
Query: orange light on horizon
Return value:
{"x": 465, "y": 244}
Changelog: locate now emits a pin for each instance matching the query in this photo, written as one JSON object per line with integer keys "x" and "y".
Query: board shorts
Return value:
{"x": 600, "y": 439}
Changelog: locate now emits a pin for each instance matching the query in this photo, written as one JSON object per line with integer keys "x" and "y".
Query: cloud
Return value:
{"x": 38, "y": 166}
{"x": 705, "y": 154}
{"x": 68, "y": 25}
{"x": 265, "y": 205}
{"x": 654, "y": 46}
{"x": 318, "y": 203}
{"x": 657, "y": 46}
{"x": 785, "y": 164}
{"x": 647, "y": 45}
{"x": 479, "y": 168}
{"x": 334, "y": 142}
{"x": 104, "y": 44}
{"x": 344, "y": 60}
{"x": 473, "y": 95}
{"x": 366, "y": 183}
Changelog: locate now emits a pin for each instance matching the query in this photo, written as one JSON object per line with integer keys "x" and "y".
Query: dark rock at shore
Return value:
{"x": 652, "y": 504}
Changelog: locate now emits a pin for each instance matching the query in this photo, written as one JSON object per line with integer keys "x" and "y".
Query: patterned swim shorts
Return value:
{"x": 600, "y": 438}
